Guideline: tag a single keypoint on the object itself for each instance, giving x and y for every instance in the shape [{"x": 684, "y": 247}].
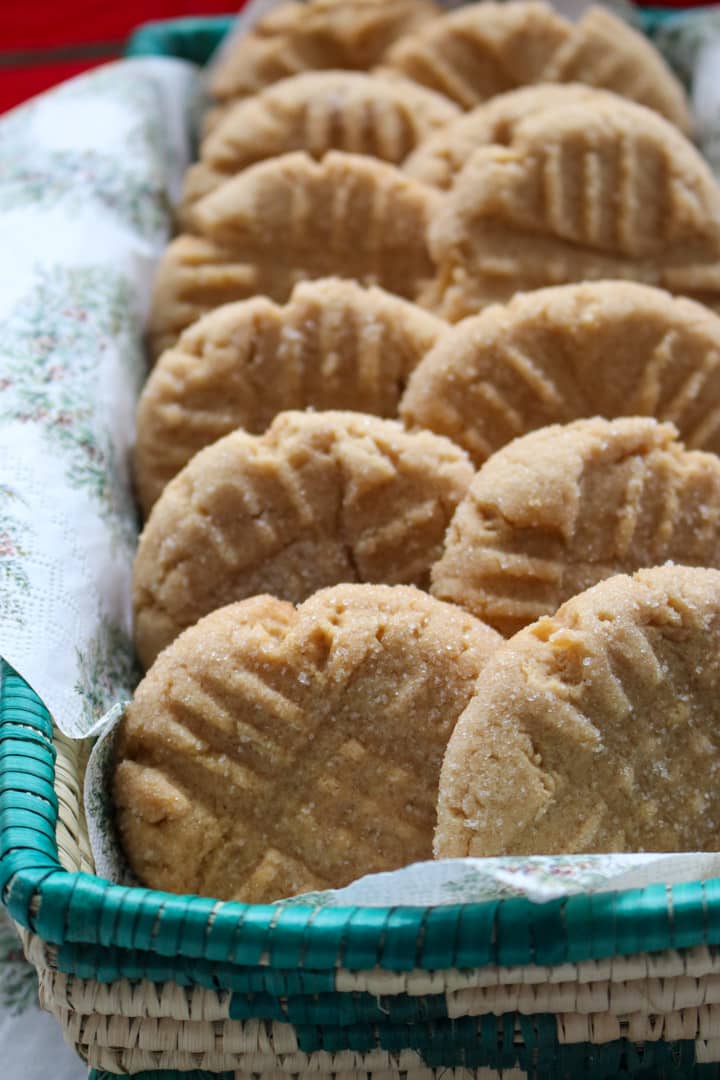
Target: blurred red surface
[{"x": 44, "y": 42}]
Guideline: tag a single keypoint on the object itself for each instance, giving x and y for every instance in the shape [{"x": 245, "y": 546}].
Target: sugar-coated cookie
[
  {"x": 271, "y": 751},
  {"x": 319, "y": 499},
  {"x": 333, "y": 345},
  {"x": 579, "y": 192},
  {"x": 557, "y": 511},
  {"x": 441, "y": 155},
  {"x": 295, "y": 37},
  {"x": 291, "y": 218},
  {"x": 610, "y": 348},
  {"x": 595, "y": 729},
  {"x": 318, "y": 111},
  {"x": 487, "y": 48}
]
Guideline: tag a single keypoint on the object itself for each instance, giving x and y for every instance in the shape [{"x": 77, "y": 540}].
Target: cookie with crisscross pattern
[
  {"x": 334, "y": 345},
  {"x": 271, "y": 751},
  {"x": 488, "y": 48},
  {"x": 295, "y": 37},
  {"x": 289, "y": 219},
  {"x": 610, "y": 348},
  {"x": 318, "y": 499},
  {"x": 443, "y": 153},
  {"x": 557, "y": 511},
  {"x": 595, "y": 729},
  {"x": 318, "y": 111},
  {"x": 579, "y": 193}
]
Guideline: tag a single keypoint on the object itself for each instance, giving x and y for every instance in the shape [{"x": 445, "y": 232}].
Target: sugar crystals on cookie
[
  {"x": 333, "y": 345},
  {"x": 272, "y": 751},
  {"x": 608, "y": 348},
  {"x": 288, "y": 219},
  {"x": 579, "y": 192},
  {"x": 595, "y": 729},
  {"x": 559, "y": 510},
  {"x": 320, "y": 498}
]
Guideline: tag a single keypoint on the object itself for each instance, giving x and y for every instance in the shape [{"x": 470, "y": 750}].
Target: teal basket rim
[
  {"x": 191, "y": 38},
  {"x": 106, "y": 931},
  {"x": 195, "y": 38}
]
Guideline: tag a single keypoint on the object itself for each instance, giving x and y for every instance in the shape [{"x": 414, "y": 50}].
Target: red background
[{"x": 43, "y": 42}]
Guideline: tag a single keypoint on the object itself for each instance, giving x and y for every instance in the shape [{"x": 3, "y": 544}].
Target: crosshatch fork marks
[
  {"x": 564, "y": 507},
  {"x": 321, "y": 756}
]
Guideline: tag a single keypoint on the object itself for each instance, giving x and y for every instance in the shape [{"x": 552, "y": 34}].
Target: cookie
[
  {"x": 320, "y": 498},
  {"x": 318, "y": 111},
  {"x": 272, "y": 751},
  {"x": 557, "y": 511},
  {"x": 480, "y": 50},
  {"x": 486, "y": 49},
  {"x": 580, "y": 192},
  {"x": 334, "y": 345},
  {"x": 604, "y": 51},
  {"x": 613, "y": 348},
  {"x": 295, "y": 37},
  {"x": 595, "y": 729},
  {"x": 442, "y": 155},
  {"x": 292, "y": 218}
]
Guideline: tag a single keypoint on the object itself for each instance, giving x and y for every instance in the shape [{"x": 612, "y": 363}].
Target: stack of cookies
[{"x": 428, "y": 458}]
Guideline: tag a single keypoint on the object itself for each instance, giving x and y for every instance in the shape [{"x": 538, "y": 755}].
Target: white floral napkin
[{"x": 88, "y": 175}]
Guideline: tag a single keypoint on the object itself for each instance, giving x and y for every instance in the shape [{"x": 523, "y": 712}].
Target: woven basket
[
  {"x": 166, "y": 987},
  {"x": 143, "y": 980}
]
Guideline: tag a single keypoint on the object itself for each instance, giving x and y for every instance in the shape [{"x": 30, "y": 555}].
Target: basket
[
  {"x": 169, "y": 987},
  {"x": 146, "y": 982}
]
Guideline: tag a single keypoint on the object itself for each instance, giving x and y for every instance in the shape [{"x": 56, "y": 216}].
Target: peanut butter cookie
[
  {"x": 580, "y": 192},
  {"x": 318, "y": 111},
  {"x": 272, "y": 751},
  {"x": 487, "y": 48},
  {"x": 605, "y": 51},
  {"x": 334, "y": 345},
  {"x": 612, "y": 348},
  {"x": 318, "y": 499},
  {"x": 559, "y": 510},
  {"x": 292, "y": 218},
  {"x": 595, "y": 729},
  {"x": 481, "y": 49},
  {"x": 443, "y": 154},
  {"x": 295, "y": 37}
]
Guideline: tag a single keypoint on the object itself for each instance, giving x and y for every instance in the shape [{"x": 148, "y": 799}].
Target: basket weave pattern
[{"x": 141, "y": 980}]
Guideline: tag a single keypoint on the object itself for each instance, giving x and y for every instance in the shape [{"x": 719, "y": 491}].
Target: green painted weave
[
  {"x": 339, "y": 1009},
  {"x": 192, "y": 39},
  {"x": 656, "y": 1061},
  {"x": 164, "y": 1074}
]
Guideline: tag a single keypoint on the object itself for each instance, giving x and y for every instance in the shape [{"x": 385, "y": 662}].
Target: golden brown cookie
[
  {"x": 295, "y": 37},
  {"x": 595, "y": 729},
  {"x": 442, "y": 155},
  {"x": 271, "y": 751},
  {"x": 318, "y": 111},
  {"x": 481, "y": 49},
  {"x": 292, "y": 218},
  {"x": 488, "y": 48},
  {"x": 604, "y": 51},
  {"x": 610, "y": 348},
  {"x": 580, "y": 192},
  {"x": 318, "y": 499},
  {"x": 334, "y": 345},
  {"x": 559, "y": 510}
]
